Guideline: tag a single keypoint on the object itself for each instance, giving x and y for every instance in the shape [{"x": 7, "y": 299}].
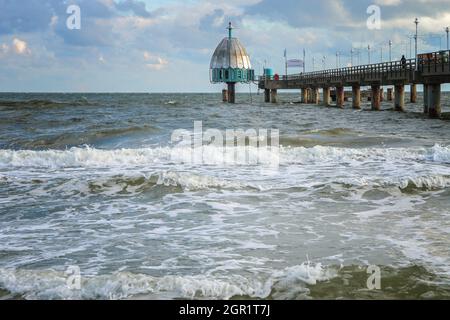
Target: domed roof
[{"x": 230, "y": 53}]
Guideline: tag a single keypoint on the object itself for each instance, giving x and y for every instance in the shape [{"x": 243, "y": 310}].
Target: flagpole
[
  {"x": 304, "y": 61},
  {"x": 285, "y": 62}
]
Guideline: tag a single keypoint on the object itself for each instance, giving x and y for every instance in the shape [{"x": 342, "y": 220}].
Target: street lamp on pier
[
  {"x": 447, "y": 30},
  {"x": 416, "y": 39},
  {"x": 390, "y": 50}
]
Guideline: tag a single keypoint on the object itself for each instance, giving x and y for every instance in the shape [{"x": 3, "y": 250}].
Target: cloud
[
  {"x": 154, "y": 62},
  {"x": 20, "y": 47},
  {"x": 131, "y": 37},
  {"x": 136, "y": 7}
]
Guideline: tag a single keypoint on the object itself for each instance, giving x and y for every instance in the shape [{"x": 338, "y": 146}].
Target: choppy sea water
[{"x": 88, "y": 180}]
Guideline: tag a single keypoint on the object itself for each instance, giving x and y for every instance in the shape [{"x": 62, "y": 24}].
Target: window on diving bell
[{"x": 226, "y": 74}]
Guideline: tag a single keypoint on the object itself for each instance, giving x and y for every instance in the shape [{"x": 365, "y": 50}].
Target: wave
[
  {"x": 50, "y": 284},
  {"x": 38, "y": 103},
  {"x": 185, "y": 181},
  {"x": 332, "y": 132},
  {"x": 91, "y": 157}
]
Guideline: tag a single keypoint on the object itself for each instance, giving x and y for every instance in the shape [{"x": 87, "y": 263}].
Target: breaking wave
[
  {"x": 50, "y": 284},
  {"x": 90, "y": 157}
]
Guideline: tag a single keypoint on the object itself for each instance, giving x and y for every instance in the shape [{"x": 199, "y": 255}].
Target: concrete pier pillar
[
  {"x": 381, "y": 94},
  {"x": 315, "y": 96},
  {"x": 267, "y": 95},
  {"x": 304, "y": 95},
  {"x": 356, "y": 97},
  {"x": 326, "y": 97},
  {"x": 434, "y": 100},
  {"x": 400, "y": 98},
  {"x": 231, "y": 92},
  {"x": 340, "y": 97},
  {"x": 273, "y": 95},
  {"x": 390, "y": 96},
  {"x": 309, "y": 96},
  {"x": 413, "y": 97},
  {"x": 376, "y": 98},
  {"x": 425, "y": 98},
  {"x": 224, "y": 95}
]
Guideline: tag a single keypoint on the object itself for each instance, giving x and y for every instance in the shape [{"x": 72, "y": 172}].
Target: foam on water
[
  {"x": 90, "y": 157},
  {"x": 50, "y": 284}
]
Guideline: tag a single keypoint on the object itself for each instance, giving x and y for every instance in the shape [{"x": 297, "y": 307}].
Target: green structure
[{"x": 230, "y": 64}]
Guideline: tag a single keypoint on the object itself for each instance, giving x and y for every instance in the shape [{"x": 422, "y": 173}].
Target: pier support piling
[
  {"x": 390, "y": 94},
  {"x": 315, "y": 96},
  {"x": 231, "y": 92},
  {"x": 304, "y": 95},
  {"x": 356, "y": 97},
  {"x": 376, "y": 98},
  {"x": 434, "y": 100},
  {"x": 413, "y": 98},
  {"x": 340, "y": 97},
  {"x": 224, "y": 95},
  {"x": 381, "y": 94},
  {"x": 273, "y": 95},
  {"x": 309, "y": 96},
  {"x": 425, "y": 99},
  {"x": 267, "y": 95},
  {"x": 326, "y": 96},
  {"x": 400, "y": 98}
]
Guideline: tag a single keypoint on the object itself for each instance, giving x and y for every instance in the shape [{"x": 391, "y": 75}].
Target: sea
[{"x": 98, "y": 201}]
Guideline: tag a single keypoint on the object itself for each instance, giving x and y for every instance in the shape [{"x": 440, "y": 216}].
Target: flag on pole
[{"x": 295, "y": 63}]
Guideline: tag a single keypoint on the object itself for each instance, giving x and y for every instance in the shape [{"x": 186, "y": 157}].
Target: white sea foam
[
  {"x": 49, "y": 284},
  {"x": 89, "y": 157}
]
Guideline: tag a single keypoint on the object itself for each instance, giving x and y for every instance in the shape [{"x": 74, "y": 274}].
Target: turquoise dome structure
[{"x": 231, "y": 64}]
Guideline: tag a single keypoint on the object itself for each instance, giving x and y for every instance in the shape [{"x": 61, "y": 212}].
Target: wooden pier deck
[{"x": 431, "y": 70}]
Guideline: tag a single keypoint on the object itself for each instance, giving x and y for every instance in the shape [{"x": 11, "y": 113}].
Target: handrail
[
  {"x": 378, "y": 68},
  {"x": 432, "y": 62}
]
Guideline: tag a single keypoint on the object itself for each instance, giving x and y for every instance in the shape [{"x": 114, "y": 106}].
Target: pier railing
[
  {"x": 394, "y": 69},
  {"x": 434, "y": 63}
]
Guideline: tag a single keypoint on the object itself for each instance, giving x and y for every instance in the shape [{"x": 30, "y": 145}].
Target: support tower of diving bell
[{"x": 230, "y": 64}]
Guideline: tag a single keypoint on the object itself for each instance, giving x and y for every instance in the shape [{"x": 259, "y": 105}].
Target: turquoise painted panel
[{"x": 232, "y": 75}]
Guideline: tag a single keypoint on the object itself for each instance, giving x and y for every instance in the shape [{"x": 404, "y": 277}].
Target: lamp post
[
  {"x": 314, "y": 64},
  {"x": 368, "y": 51},
  {"x": 447, "y": 30},
  {"x": 324, "y": 62},
  {"x": 416, "y": 38},
  {"x": 351, "y": 55},
  {"x": 390, "y": 50},
  {"x": 337, "y": 60}
]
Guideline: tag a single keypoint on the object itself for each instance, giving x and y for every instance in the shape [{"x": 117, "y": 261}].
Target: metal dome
[
  {"x": 230, "y": 62},
  {"x": 230, "y": 53}
]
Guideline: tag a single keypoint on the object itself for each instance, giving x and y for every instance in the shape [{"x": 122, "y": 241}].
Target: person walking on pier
[{"x": 403, "y": 60}]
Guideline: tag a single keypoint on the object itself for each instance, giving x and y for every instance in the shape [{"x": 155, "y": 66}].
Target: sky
[{"x": 166, "y": 45}]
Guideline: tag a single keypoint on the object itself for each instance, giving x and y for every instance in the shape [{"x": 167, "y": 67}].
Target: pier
[{"x": 430, "y": 70}]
